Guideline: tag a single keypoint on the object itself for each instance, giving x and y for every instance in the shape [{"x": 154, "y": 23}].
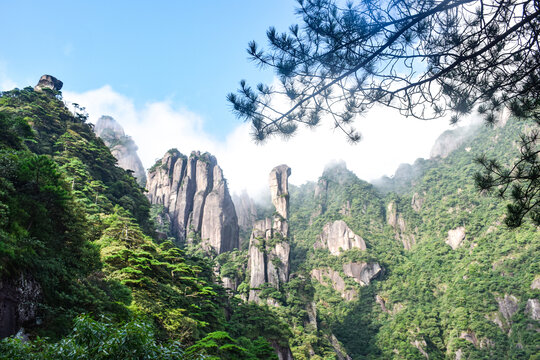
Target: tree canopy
[{"x": 427, "y": 59}]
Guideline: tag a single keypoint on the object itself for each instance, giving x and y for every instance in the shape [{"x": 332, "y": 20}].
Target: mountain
[
  {"x": 420, "y": 267},
  {"x": 122, "y": 147}
]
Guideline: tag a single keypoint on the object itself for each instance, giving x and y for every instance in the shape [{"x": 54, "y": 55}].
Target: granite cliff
[
  {"x": 195, "y": 199},
  {"x": 121, "y": 145}
]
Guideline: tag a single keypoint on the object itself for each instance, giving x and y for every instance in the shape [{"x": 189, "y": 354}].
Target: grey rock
[
  {"x": 338, "y": 237},
  {"x": 19, "y": 299},
  {"x": 245, "y": 210},
  {"x": 508, "y": 306},
  {"x": 533, "y": 309},
  {"x": 48, "y": 82},
  {"x": 536, "y": 284},
  {"x": 340, "y": 351},
  {"x": 397, "y": 222},
  {"x": 455, "y": 237},
  {"x": 283, "y": 352},
  {"x": 449, "y": 141},
  {"x": 329, "y": 277},
  {"x": 269, "y": 250},
  {"x": 279, "y": 189},
  {"x": 362, "y": 272},
  {"x": 195, "y": 195},
  {"x": 122, "y": 146}
]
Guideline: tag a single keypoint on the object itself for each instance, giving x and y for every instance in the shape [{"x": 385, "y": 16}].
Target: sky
[{"x": 163, "y": 69}]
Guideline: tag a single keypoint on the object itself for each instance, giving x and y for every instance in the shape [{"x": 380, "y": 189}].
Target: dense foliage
[{"x": 78, "y": 227}]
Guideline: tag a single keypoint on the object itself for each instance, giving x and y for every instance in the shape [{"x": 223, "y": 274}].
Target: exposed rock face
[
  {"x": 196, "y": 198},
  {"x": 533, "y": 309},
  {"x": 279, "y": 189},
  {"x": 269, "y": 250},
  {"x": 329, "y": 277},
  {"x": 535, "y": 284},
  {"x": 362, "y": 273},
  {"x": 456, "y": 237},
  {"x": 122, "y": 146},
  {"x": 337, "y": 237},
  {"x": 340, "y": 351},
  {"x": 508, "y": 306},
  {"x": 416, "y": 202},
  {"x": 18, "y": 303},
  {"x": 396, "y": 221},
  {"x": 49, "y": 82},
  {"x": 283, "y": 352},
  {"x": 449, "y": 141}
]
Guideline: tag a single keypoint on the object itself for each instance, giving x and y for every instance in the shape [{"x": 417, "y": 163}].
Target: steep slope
[
  {"x": 195, "y": 199},
  {"x": 453, "y": 281},
  {"x": 122, "y": 147}
]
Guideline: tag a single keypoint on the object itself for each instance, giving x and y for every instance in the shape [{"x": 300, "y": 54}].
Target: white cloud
[
  {"x": 388, "y": 140},
  {"x": 5, "y": 82}
]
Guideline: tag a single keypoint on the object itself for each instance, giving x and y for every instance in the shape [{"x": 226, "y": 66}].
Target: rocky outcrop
[
  {"x": 337, "y": 237},
  {"x": 397, "y": 222},
  {"x": 362, "y": 272},
  {"x": 269, "y": 249},
  {"x": 122, "y": 146},
  {"x": 535, "y": 284},
  {"x": 417, "y": 201},
  {"x": 450, "y": 140},
  {"x": 279, "y": 189},
  {"x": 329, "y": 277},
  {"x": 48, "y": 82},
  {"x": 19, "y": 299},
  {"x": 195, "y": 195},
  {"x": 340, "y": 351},
  {"x": 455, "y": 237},
  {"x": 533, "y": 309},
  {"x": 283, "y": 352}
]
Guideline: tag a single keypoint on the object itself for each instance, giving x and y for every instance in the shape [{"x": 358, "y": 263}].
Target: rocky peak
[
  {"x": 48, "y": 82},
  {"x": 196, "y": 198},
  {"x": 269, "y": 250},
  {"x": 279, "y": 189},
  {"x": 122, "y": 146}
]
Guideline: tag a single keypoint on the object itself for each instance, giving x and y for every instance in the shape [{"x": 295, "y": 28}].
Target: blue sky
[
  {"x": 163, "y": 70},
  {"x": 190, "y": 52}
]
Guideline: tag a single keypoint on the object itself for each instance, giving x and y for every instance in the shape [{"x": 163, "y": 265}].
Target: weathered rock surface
[
  {"x": 535, "y": 284},
  {"x": 329, "y": 277},
  {"x": 19, "y": 300},
  {"x": 397, "y": 222},
  {"x": 283, "y": 352},
  {"x": 269, "y": 250},
  {"x": 449, "y": 141},
  {"x": 338, "y": 237},
  {"x": 508, "y": 306},
  {"x": 455, "y": 237},
  {"x": 48, "y": 82},
  {"x": 122, "y": 146},
  {"x": 194, "y": 194},
  {"x": 340, "y": 351},
  {"x": 362, "y": 272},
  {"x": 279, "y": 189},
  {"x": 533, "y": 309}
]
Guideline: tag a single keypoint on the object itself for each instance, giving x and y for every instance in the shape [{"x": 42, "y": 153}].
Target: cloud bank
[{"x": 388, "y": 140}]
